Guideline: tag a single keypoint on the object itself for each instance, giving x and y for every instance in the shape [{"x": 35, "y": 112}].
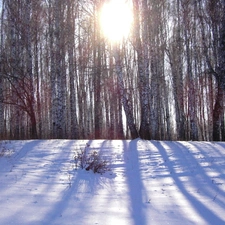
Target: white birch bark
[
  {"x": 73, "y": 125},
  {"x": 57, "y": 76},
  {"x": 141, "y": 45},
  {"x": 2, "y": 126},
  {"x": 125, "y": 102}
]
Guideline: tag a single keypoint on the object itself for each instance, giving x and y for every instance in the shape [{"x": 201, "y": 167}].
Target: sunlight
[{"x": 116, "y": 20}]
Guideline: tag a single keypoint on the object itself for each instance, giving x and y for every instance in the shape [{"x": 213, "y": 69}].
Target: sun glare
[{"x": 116, "y": 20}]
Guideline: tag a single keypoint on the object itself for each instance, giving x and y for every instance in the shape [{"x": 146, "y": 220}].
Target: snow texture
[{"x": 149, "y": 182}]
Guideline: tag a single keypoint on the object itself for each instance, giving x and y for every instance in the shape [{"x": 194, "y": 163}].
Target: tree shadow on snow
[
  {"x": 134, "y": 182},
  {"x": 79, "y": 195},
  {"x": 203, "y": 211}
]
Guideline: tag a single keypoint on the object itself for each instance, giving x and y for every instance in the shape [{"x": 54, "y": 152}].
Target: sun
[{"x": 116, "y": 19}]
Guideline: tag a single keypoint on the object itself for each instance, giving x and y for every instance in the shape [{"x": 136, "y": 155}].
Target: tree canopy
[{"x": 61, "y": 77}]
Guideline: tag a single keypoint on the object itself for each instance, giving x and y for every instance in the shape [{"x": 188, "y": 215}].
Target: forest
[{"x": 60, "y": 77}]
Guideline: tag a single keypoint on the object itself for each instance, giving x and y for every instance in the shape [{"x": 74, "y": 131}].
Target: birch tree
[
  {"x": 2, "y": 125},
  {"x": 141, "y": 46},
  {"x": 18, "y": 62},
  {"x": 125, "y": 101},
  {"x": 71, "y": 26},
  {"x": 59, "y": 78},
  {"x": 216, "y": 11}
]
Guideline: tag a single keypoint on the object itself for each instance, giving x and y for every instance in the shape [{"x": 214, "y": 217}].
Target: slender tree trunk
[
  {"x": 217, "y": 114},
  {"x": 218, "y": 111},
  {"x": 74, "y": 131},
  {"x": 125, "y": 101},
  {"x": 218, "y": 70},
  {"x": 29, "y": 74},
  {"x": 2, "y": 126},
  {"x": 143, "y": 65},
  {"x": 97, "y": 75}
]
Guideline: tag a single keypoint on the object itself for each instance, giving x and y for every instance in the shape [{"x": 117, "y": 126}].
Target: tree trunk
[
  {"x": 2, "y": 127},
  {"x": 143, "y": 65},
  {"x": 126, "y": 102},
  {"x": 191, "y": 84},
  {"x": 217, "y": 114},
  {"x": 73, "y": 131},
  {"x": 97, "y": 77}
]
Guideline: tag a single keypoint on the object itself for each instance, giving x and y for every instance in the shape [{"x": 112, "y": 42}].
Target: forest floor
[{"x": 149, "y": 182}]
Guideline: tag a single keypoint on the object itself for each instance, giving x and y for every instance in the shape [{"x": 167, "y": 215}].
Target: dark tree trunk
[
  {"x": 217, "y": 115},
  {"x": 126, "y": 103}
]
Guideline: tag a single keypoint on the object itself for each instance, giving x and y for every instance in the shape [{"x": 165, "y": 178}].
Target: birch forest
[{"x": 61, "y": 78}]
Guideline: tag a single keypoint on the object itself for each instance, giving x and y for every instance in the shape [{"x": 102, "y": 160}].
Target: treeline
[{"x": 60, "y": 78}]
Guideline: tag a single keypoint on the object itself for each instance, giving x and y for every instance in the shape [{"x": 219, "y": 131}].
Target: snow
[{"x": 149, "y": 182}]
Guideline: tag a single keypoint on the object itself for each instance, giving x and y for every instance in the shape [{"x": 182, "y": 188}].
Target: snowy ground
[{"x": 150, "y": 183}]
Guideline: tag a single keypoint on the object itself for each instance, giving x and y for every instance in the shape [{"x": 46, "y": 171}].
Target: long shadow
[
  {"x": 134, "y": 182},
  {"x": 213, "y": 161},
  {"x": 70, "y": 195},
  {"x": 210, "y": 187},
  {"x": 27, "y": 147},
  {"x": 81, "y": 183},
  {"x": 205, "y": 213},
  {"x": 16, "y": 177},
  {"x": 51, "y": 175},
  {"x": 76, "y": 180}
]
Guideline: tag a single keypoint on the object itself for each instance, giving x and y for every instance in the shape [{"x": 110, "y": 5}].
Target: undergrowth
[{"x": 90, "y": 160}]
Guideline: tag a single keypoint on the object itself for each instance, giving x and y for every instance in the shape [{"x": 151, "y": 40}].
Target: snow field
[{"x": 149, "y": 182}]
